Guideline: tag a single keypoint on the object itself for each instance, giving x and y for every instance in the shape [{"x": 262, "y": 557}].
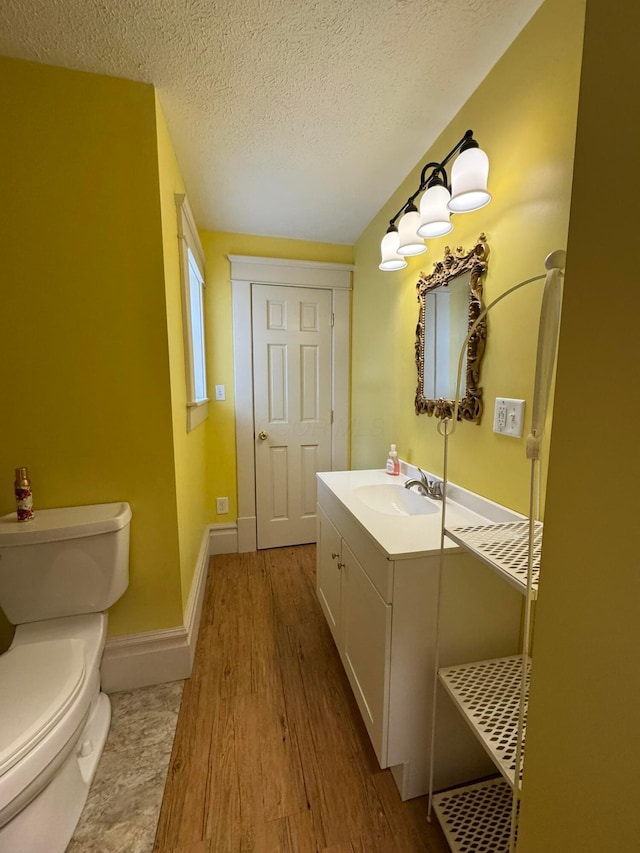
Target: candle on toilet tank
[{"x": 24, "y": 496}]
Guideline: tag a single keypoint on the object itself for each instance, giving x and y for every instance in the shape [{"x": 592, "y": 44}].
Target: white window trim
[
  {"x": 197, "y": 409},
  {"x": 245, "y": 271}
]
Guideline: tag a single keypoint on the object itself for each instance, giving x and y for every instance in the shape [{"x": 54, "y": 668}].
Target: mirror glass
[
  {"x": 447, "y": 310},
  {"x": 450, "y": 302}
]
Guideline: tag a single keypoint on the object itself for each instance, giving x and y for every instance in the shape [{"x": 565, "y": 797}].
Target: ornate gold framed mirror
[{"x": 450, "y": 301}]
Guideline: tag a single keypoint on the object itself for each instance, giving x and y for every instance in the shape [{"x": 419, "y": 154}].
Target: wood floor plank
[
  {"x": 292, "y": 591},
  {"x": 222, "y": 819},
  {"x": 298, "y": 714},
  {"x": 198, "y": 847},
  {"x": 265, "y": 665},
  {"x": 324, "y": 720},
  {"x": 408, "y": 821},
  {"x": 292, "y": 834},
  {"x": 231, "y": 646},
  {"x": 270, "y": 778},
  {"x": 358, "y": 845},
  {"x": 184, "y": 796},
  {"x": 250, "y": 788},
  {"x": 271, "y": 754},
  {"x": 253, "y": 562},
  {"x": 283, "y": 784}
]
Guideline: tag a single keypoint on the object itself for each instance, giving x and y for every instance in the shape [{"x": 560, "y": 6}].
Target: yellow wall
[
  {"x": 523, "y": 115},
  {"x": 221, "y": 453},
  {"x": 91, "y": 326},
  {"x": 190, "y": 448},
  {"x": 582, "y": 786},
  {"x": 83, "y": 329}
]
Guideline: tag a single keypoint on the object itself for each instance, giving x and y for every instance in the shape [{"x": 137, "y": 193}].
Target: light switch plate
[{"x": 508, "y": 417}]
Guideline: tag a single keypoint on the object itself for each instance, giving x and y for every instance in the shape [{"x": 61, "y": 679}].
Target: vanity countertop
[{"x": 408, "y": 536}]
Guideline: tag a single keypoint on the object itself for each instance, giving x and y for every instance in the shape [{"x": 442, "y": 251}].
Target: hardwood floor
[{"x": 270, "y": 753}]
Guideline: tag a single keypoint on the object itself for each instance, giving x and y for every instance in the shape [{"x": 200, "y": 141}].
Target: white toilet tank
[{"x": 64, "y": 562}]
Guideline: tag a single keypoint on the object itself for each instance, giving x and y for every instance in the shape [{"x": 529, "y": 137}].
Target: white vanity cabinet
[
  {"x": 360, "y": 621},
  {"x": 366, "y": 647},
  {"x": 382, "y": 610},
  {"x": 329, "y": 573}
]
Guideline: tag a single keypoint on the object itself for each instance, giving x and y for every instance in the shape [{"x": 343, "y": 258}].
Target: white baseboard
[
  {"x": 223, "y": 539},
  {"x": 193, "y": 611},
  {"x": 156, "y": 657},
  {"x": 138, "y": 660}
]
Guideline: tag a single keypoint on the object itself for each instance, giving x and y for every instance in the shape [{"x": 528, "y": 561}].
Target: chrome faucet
[{"x": 431, "y": 488}]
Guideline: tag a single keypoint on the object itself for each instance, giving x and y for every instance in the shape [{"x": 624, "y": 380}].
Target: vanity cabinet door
[
  {"x": 328, "y": 573},
  {"x": 366, "y": 649}
]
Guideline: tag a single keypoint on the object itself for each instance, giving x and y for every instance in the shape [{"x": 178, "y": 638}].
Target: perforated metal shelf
[
  {"x": 476, "y": 818},
  {"x": 504, "y": 547},
  {"x": 487, "y": 694}
]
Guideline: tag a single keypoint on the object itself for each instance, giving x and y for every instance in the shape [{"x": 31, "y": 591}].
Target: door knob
[{"x": 262, "y": 435}]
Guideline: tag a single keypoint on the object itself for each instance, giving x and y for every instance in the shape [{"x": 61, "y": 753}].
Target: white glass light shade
[
  {"x": 434, "y": 213},
  {"x": 410, "y": 243},
  {"x": 469, "y": 181},
  {"x": 391, "y": 260}
]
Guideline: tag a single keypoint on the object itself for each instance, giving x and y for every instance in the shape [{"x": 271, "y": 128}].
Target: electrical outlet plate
[
  {"x": 222, "y": 506},
  {"x": 508, "y": 417},
  {"x": 220, "y": 395}
]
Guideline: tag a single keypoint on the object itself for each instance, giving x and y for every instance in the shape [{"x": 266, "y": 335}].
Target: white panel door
[{"x": 292, "y": 408}]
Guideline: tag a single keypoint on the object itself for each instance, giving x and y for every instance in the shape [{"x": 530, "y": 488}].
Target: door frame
[{"x": 245, "y": 271}]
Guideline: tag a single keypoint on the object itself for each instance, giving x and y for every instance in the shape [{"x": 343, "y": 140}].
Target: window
[{"x": 193, "y": 284}]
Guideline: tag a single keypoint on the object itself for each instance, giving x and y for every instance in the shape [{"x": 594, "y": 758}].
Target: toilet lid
[{"x": 39, "y": 683}]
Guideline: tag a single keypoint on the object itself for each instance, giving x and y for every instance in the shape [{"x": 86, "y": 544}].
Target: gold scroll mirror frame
[{"x": 454, "y": 264}]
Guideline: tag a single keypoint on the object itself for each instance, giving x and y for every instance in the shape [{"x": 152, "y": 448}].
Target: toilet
[{"x": 58, "y": 574}]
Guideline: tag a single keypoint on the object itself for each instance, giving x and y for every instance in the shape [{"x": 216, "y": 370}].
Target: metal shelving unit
[
  {"x": 487, "y": 694},
  {"x": 504, "y": 547},
  {"x": 476, "y": 817},
  {"x": 492, "y": 697}
]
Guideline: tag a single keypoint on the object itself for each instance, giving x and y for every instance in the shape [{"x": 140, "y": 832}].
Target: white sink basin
[{"x": 394, "y": 499}]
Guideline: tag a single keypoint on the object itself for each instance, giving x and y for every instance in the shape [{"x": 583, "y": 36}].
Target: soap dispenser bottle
[{"x": 393, "y": 463}]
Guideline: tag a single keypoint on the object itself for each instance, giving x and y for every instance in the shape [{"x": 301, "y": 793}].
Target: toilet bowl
[{"x": 68, "y": 565}]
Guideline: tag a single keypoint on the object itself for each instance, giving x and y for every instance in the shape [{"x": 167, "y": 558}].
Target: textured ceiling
[{"x": 294, "y": 118}]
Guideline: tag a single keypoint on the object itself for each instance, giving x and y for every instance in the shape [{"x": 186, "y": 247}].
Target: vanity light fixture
[
  {"x": 467, "y": 192},
  {"x": 410, "y": 243}
]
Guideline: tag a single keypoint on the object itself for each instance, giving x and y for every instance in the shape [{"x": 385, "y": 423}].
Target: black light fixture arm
[{"x": 438, "y": 169}]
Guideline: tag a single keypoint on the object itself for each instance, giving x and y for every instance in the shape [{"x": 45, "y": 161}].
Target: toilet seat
[
  {"x": 39, "y": 683},
  {"x": 33, "y": 743}
]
